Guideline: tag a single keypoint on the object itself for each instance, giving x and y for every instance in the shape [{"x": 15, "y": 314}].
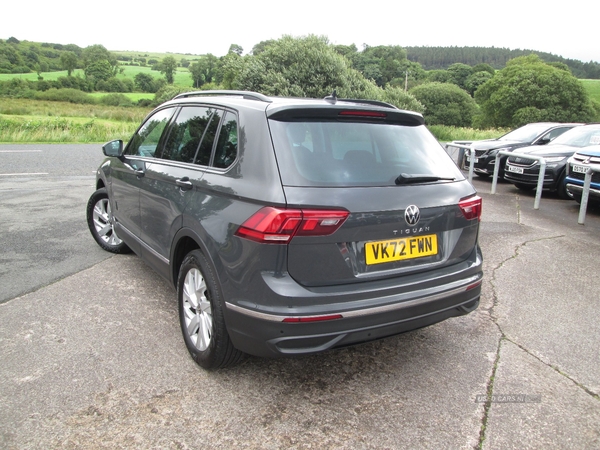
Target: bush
[
  {"x": 527, "y": 89},
  {"x": 65, "y": 95},
  {"x": 17, "y": 88},
  {"x": 115, "y": 100},
  {"x": 403, "y": 100},
  {"x": 445, "y": 104},
  {"x": 73, "y": 83},
  {"x": 167, "y": 93}
]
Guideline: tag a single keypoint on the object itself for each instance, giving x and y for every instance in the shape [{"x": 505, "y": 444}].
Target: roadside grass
[
  {"x": 23, "y": 129},
  {"x": 24, "y": 120},
  {"x": 445, "y": 133},
  {"x": 29, "y": 107}
]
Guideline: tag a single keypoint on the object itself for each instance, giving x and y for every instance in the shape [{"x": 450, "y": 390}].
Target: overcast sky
[{"x": 198, "y": 27}]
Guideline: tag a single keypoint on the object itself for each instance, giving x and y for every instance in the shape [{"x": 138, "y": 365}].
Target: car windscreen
[
  {"x": 526, "y": 133},
  {"x": 335, "y": 153},
  {"x": 580, "y": 136}
]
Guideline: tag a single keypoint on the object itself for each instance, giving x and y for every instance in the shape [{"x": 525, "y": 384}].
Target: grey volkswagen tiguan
[{"x": 291, "y": 226}]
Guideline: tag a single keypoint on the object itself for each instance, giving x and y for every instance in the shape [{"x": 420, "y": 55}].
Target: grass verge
[{"x": 24, "y": 129}]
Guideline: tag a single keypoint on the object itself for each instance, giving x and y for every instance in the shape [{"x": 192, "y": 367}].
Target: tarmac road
[{"x": 91, "y": 354}]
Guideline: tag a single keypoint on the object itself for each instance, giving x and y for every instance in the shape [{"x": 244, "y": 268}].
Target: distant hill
[
  {"x": 442, "y": 57},
  {"x": 26, "y": 57}
]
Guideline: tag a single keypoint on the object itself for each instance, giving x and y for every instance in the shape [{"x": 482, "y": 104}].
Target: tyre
[
  {"x": 482, "y": 175},
  {"x": 201, "y": 314},
  {"x": 524, "y": 187},
  {"x": 561, "y": 188},
  {"x": 100, "y": 223}
]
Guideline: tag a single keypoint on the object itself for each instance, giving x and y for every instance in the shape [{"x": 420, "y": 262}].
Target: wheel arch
[
  {"x": 184, "y": 242},
  {"x": 100, "y": 183}
]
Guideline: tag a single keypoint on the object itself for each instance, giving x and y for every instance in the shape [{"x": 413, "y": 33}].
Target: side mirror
[
  {"x": 543, "y": 141},
  {"x": 113, "y": 148}
]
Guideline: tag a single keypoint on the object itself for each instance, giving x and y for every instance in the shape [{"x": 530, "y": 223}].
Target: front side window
[
  {"x": 555, "y": 133},
  {"x": 147, "y": 138},
  {"x": 186, "y": 133}
]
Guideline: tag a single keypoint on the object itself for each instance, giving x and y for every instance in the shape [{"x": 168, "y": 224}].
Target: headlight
[
  {"x": 496, "y": 150},
  {"x": 555, "y": 159}
]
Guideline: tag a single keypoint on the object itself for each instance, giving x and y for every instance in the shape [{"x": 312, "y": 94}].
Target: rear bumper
[{"x": 368, "y": 316}]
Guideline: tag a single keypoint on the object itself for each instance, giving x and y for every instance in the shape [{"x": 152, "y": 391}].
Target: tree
[
  {"x": 459, "y": 74},
  {"x": 237, "y": 49},
  {"x": 483, "y": 67},
  {"x": 68, "y": 61},
  {"x": 305, "y": 67},
  {"x": 445, "y": 104},
  {"x": 438, "y": 75},
  {"x": 99, "y": 64},
  {"x": 529, "y": 90},
  {"x": 204, "y": 70},
  {"x": 261, "y": 46},
  {"x": 96, "y": 53},
  {"x": 300, "y": 67},
  {"x": 168, "y": 65},
  {"x": 144, "y": 82},
  {"x": 382, "y": 63},
  {"x": 475, "y": 80},
  {"x": 98, "y": 71}
]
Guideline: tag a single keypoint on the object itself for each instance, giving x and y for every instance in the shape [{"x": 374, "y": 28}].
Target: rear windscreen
[{"x": 356, "y": 153}]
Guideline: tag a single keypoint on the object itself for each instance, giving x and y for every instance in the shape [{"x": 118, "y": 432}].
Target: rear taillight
[
  {"x": 279, "y": 226},
  {"x": 471, "y": 207},
  {"x": 361, "y": 113}
]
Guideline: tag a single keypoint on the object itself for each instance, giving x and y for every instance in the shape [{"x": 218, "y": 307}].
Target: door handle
[{"x": 184, "y": 183}]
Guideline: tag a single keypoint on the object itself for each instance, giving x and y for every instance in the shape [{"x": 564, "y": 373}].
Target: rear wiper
[{"x": 405, "y": 178}]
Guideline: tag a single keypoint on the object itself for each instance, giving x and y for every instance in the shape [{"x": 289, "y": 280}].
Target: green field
[
  {"x": 182, "y": 77},
  {"x": 593, "y": 88}
]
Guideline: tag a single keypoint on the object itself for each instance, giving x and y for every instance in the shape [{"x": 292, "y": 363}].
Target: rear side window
[
  {"x": 227, "y": 145},
  {"x": 186, "y": 134},
  {"x": 145, "y": 141},
  {"x": 356, "y": 154},
  {"x": 206, "y": 146}
]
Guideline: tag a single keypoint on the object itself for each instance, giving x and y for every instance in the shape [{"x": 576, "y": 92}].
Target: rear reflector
[
  {"x": 279, "y": 226},
  {"x": 474, "y": 285},
  {"x": 471, "y": 207},
  {"x": 312, "y": 318}
]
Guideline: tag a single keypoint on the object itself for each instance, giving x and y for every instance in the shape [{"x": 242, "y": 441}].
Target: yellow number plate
[{"x": 399, "y": 249}]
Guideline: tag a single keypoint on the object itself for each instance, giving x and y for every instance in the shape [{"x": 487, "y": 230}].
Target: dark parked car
[
  {"x": 523, "y": 172},
  {"x": 292, "y": 226},
  {"x": 532, "y": 134},
  {"x": 577, "y": 167}
]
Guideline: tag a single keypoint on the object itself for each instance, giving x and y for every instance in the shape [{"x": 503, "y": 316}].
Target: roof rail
[
  {"x": 368, "y": 102},
  {"x": 244, "y": 94}
]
